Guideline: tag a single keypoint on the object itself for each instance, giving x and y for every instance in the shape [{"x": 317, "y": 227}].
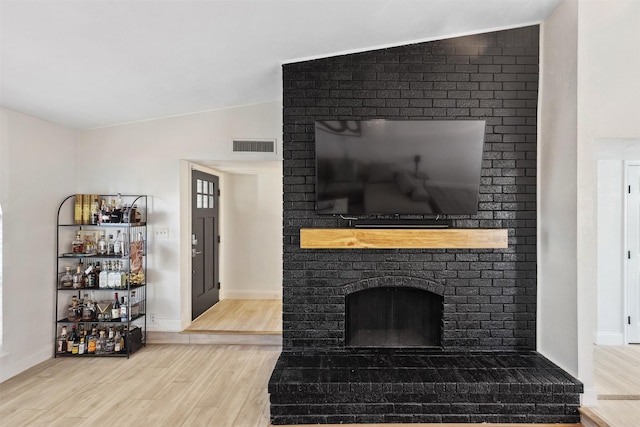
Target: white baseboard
[
  {"x": 12, "y": 366},
  {"x": 609, "y": 338},
  {"x": 251, "y": 294}
]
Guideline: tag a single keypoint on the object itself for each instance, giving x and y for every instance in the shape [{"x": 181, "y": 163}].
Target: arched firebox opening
[{"x": 396, "y": 317}]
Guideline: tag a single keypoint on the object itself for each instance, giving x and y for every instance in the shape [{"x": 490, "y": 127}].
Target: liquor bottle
[
  {"x": 91, "y": 343},
  {"x": 111, "y": 344},
  {"x": 97, "y": 270},
  {"x": 124, "y": 277},
  {"x": 124, "y": 310},
  {"x": 95, "y": 212},
  {"x": 115, "y": 309},
  {"x": 82, "y": 346},
  {"x": 79, "y": 278},
  {"x": 117, "y": 245},
  {"x": 125, "y": 244},
  {"x": 72, "y": 340},
  {"x": 61, "y": 346},
  {"x": 110, "y": 245},
  {"x": 73, "y": 312},
  {"x": 113, "y": 277},
  {"x": 117, "y": 342},
  {"x": 102, "y": 245},
  {"x": 123, "y": 339},
  {"x": 134, "y": 306},
  {"x": 77, "y": 246},
  {"x": 88, "y": 311},
  {"x": 116, "y": 214},
  {"x": 103, "y": 278},
  {"x": 105, "y": 213},
  {"x": 101, "y": 343},
  {"x": 66, "y": 280},
  {"x": 90, "y": 243},
  {"x": 90, "y": 275}
]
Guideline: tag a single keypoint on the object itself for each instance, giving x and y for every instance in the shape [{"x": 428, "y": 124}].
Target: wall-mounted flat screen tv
[{"x": 398, "y": 166}]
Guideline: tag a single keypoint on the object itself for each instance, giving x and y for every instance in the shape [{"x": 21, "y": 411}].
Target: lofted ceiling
[{"x": 89, "y": 63}]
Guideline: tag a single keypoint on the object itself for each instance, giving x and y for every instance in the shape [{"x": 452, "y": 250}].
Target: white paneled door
[{"x": 633, "y": 254}]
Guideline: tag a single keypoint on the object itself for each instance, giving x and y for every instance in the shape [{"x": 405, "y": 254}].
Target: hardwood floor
[
  {"x": 240, "y": 316},
  {"x": 617, "y": 379},
  {"x": 161, "y": 385},
  {"x": 218, "y": 385}
]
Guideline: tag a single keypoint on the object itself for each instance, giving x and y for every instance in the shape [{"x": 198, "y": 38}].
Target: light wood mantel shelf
[{"x": 351, "y": 238}]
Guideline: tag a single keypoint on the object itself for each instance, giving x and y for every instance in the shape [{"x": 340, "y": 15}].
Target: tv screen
[{"x": 398, "y": 166}]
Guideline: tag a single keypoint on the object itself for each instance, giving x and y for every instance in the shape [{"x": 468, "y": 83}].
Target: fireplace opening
[{"x": 393, "y": 317}]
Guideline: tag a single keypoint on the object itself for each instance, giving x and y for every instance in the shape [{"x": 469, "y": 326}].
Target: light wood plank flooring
[
  {"x": 160, "y": 385},
  {"x": 617, "y": 379},
  {"x": 240, "y": 316}
]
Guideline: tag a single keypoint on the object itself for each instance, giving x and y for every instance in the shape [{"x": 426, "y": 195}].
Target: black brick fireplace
[{"x": 466, "y": 352}]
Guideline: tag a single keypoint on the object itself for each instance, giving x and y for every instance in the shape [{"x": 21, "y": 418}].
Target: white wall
[
  {"x": 253, "y": 270},
  {"x": 608, "y": 93},
  {"x": 557, "y": 199},
  {"x": 608, "y": 63},
  {"x": 610, "y": 202},
  {"x": 147, "y": 158},
  {"x": 38, "y": 162}
]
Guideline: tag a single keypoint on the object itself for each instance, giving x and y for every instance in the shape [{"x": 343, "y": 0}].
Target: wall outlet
[
  {"x": 153, "y": 319},
  {"x": 161, "y": 233}
]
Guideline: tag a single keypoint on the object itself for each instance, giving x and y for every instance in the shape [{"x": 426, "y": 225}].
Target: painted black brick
[{"x": 489, "y": 76}]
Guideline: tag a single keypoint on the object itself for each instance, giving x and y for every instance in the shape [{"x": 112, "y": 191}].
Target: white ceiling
[{"x": 90, "y": 63}]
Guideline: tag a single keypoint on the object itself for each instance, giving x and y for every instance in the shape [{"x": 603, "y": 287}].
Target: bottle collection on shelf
[
  {"x": 94, "y": 243},
  {"x": 100, "y": 341},
  {"x": 110, "y": 275},
  {"x": 120, "y": 309},
  {"x": 89, "y": 211}
]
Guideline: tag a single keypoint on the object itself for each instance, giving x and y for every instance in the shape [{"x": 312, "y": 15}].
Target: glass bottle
[
  {"x": 110, "y": 245},
  {"x": 124, "y": 277},
  {"x": 101, "y": 343},
  {"x": 134, "y": 306},
  {"x": 117, "y": 245},
  {"x": 111, "y": 343},
  {"x": 66, "y": 280},
  {"x": 73, "y": 312},
  {"x": 123, "y": 338},
  {"x": 115, "y": 309},
  {"x": 77, "y": 246},
  {"x": 82, "y": 346},
  {"x": 117, "y": 346},
  {"x": 113, "y": 276},
  {"x": 72, "y": 341},
  {"x": 105, "y": 213},
  {"x": 79, "y": 278},
  {"x": 124, "y": 309},
  {"x": 90, "y": 275},
  {"x": 88, "y": 311},
  {"x": 91, "y": 343},
  {"x": 61, "y": 342},
  {"x": 97, "y": 269},
  {"x": 103, "y": 279},
  {"x": 102, "y": 245},
  {"x": 95, "y": 212}
]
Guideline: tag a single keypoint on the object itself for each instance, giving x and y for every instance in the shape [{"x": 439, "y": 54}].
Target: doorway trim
[{"x": 186, "y": 167}]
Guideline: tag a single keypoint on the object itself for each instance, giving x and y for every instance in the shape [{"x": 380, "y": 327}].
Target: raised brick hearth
[
  {"x": 425, "y": 387},
  {"x": 485, "y": 367}
]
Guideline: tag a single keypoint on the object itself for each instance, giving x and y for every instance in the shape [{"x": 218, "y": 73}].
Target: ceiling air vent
[{"x": 254, "y": 145}]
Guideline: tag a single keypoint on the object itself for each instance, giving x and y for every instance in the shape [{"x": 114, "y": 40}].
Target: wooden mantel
[{"x": 413, "y": 238}]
